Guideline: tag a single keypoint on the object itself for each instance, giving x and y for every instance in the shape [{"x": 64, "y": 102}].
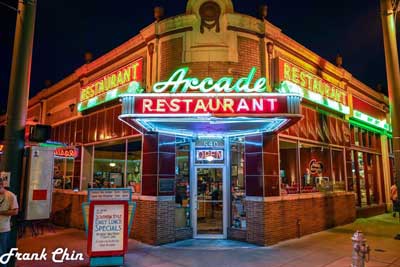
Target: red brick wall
[
  {"x": 144, "y": 226},
  {"x": 272, "y": 221},
  {"x": 249, "y": 56},
  {"x": 67, "y": 209}
]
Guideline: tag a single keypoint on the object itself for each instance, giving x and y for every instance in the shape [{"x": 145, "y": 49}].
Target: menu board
[{"x": 108, "y": 228}]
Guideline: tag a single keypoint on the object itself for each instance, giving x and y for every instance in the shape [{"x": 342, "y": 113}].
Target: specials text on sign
[
  {"x": 308, "y": 81},
  {"x": 108, "y": 226}
]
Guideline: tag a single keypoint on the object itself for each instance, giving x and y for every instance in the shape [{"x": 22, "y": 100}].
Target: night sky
[{"x": 65, "y": 30}]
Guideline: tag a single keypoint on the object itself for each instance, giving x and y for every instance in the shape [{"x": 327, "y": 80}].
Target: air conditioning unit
[{"x": 39, "y": 133}]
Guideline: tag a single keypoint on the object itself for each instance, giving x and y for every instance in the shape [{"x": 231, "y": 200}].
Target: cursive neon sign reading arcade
[{"x": 179, "y": 83}]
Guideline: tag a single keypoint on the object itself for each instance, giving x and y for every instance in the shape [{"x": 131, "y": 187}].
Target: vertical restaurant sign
[
  {"x": 108, "y": 228},
  {"x": 126, "y": 79},
  {"x": 310, "y": 82}
]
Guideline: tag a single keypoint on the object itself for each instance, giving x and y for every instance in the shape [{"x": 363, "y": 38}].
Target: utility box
[{"x": 39, "y": 185}]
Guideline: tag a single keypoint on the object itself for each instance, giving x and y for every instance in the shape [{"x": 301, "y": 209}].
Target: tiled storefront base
[
  {"x": 370, "y": 211},
  {"x": 269, "y": 220},
  {"x": 154, "y": 221},
  {"x": 272, "y": 220}
]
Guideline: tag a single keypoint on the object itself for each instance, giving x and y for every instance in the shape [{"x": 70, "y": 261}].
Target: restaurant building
[{"x": 223, "y": 127}]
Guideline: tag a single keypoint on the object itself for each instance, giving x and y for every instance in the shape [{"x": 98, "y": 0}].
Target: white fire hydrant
[{"x": 360, "y": 250}]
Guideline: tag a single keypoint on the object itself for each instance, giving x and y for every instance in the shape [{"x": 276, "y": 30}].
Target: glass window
[
  {"x": 290, "y": 183},
  {"x": 109, "y": 165},
  {"x": 315, "y": 167},
  {"x": 63, "y": 173},
  {"x": 133, "y": 165},
  {"x": 356, "y": 137},
  {"x": 182, "y": 184},
  {"x": 338, "y": 172},
  {"x": 372, "y": 179},
  {"x": 238, "y": 184},
  {"x": 361, "y": 172},
  {"x": 87, "y": 167}
]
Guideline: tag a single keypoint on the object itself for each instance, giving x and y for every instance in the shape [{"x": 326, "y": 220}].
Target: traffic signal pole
[
  {"x": 393, "y": 77},
  {"x": 17, "y": 104}
]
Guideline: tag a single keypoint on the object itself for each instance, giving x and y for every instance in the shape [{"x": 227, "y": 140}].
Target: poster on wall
[
  {"x": 39, "y": 183},
  {"x": 108, "y": 228}
]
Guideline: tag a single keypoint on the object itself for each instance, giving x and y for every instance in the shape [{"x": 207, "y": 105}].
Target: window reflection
[
  {"x": 238, "y": 184},
  {"x": 182, "y": 176}
]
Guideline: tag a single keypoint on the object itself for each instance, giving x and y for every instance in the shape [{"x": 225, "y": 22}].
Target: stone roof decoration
[{"x": 209, "y": 12}]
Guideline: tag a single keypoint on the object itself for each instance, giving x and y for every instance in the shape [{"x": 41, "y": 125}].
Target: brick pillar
[
  {"x": 271, "y": 165},
  {"x": 155, "y": 218},
  {"x": 254, "y": 204},
  {"x": 262, "y": 180}
]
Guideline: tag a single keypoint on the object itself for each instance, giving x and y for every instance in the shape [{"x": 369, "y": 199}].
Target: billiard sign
[{"x": 63, "y": 152}]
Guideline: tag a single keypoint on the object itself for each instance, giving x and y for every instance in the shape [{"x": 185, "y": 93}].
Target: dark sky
[{"x": 65, "y": 30}]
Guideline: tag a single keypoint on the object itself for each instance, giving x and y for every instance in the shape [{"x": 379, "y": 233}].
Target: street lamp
[{"x": 388, "y": 12}]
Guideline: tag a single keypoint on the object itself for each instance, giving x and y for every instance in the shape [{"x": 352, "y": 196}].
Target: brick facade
[
  {"x": 273, "y": 220},
  {"x": 249, "y": 56}
]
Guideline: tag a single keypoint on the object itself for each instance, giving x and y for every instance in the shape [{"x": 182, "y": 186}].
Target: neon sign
[
  {"x": 209, "y": 155},
  {"x": 178, "y": 82},
  {"x": 124, "y": 80},
  {"x": 66, "y": 152},
  {"x": 382, "y": 124},
  {"x": 289, "y": 87},
  {"x": 310, "y": 82},
  {"x": 231, "y": 105}
]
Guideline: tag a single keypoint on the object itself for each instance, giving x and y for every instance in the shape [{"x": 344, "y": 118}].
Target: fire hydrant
[{"x": 360, "y": 250}]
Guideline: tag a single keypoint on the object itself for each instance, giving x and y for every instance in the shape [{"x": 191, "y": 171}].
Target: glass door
[{"x": 209, "y": 210}]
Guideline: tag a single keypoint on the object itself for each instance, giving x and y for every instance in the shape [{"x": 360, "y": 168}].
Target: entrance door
[{"x": 210, "y": 208}]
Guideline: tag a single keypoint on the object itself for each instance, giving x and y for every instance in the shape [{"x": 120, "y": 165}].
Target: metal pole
[
  {"x": 18, "y": 99},
  {"x": 393, "y": 77}
]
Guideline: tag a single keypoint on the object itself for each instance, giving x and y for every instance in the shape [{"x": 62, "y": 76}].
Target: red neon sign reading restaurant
[{"x": 232, "y": 104}]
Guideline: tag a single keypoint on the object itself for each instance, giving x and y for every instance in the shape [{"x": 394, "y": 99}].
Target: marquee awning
[{"x": 210, "y": 114}]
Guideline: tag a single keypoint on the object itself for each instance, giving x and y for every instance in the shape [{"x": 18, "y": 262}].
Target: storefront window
[
  {"x": 290, "y": 183},
  {"x": 182, "y": 190},
  {"x": 338, "y": 173},
  {"x": 133, "y": 166},
  {"x": 238, "y": 184},
  {"x": 371, "y": 175},
  {"x": 87, "y": 167},
  {"x": 315, "y": 168},
  {"x": 63, "y": 173},
  {"x": 109, "y": 165},
  {"x": 361, "y": 172}
]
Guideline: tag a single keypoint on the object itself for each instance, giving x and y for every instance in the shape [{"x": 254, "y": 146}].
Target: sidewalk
[{"x": 330, "y": 248}]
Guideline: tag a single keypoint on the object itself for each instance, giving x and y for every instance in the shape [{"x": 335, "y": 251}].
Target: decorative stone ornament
[
  {"x": 210, "y": 13},
  {"x": 263, "y": 12},
  {"x": 158, "y": 13}
]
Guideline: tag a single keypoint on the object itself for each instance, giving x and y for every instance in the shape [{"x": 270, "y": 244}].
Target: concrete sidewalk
[{"x": 330, "y": 248}]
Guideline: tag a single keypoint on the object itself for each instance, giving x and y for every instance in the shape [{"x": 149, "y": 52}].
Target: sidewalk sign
[{"x": 108, "y": 217}]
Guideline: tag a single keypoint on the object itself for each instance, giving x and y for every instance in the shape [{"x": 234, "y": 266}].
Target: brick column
[
  {"x": 155, "y": 217},
  {"x": 271, "y": 165},
  {"x": 262, "y": 180},
  {"x": 254, "y": 176}
]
